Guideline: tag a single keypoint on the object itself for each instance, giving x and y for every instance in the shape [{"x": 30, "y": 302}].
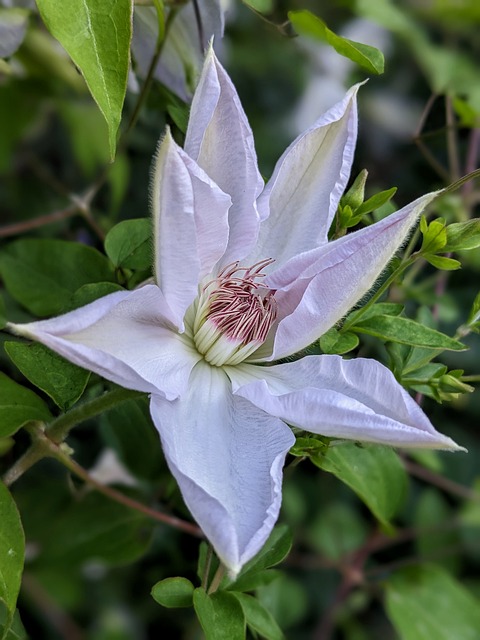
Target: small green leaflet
[
  {"x": 308, "y": 24},
  {"x": 129, "y": 244},
  {"x": 174, "y": 593}
]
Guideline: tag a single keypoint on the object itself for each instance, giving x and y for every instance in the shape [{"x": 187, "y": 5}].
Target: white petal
[
  {"x": 303, "y": 194},
  {"x": 123, "y": 337},
  {"x": 190, "y": 225},
  {"x": 227, "y": 458},
  {"x": 355, "y": 399},
  {"x": 220, "y": 140},
  {"x": 318, "y": 288}
]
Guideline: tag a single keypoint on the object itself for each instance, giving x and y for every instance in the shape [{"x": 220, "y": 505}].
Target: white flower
[{"x": 245, "y": 276}]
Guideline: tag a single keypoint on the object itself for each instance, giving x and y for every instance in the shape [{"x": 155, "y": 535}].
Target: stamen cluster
[{"x": 234, "y": 314}]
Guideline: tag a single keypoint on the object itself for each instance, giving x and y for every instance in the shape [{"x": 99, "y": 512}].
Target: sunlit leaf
[{"x": 97, "y": 35}]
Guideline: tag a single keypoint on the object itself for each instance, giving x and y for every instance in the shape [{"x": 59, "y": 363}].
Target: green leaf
[
  {"x": 13, "y": 26},
  {"x": 335, "y": 342},
  {"x": 434, "y": 236},
  {"x": 308, "y": 24},
  {"x": 129, "y": 244},
  {"x": 61, "y": 380},
  {"x": 337, "y": 530},
  {"x": 87, "y": 134},
  {"x": 272, "y": 553},
  {"x": 220, "y": 615},
  {"x": 286, "y": 599},
  {"x": 12, "y": 549},
  {"x": 96, "y": 34},
  {"x": 431, "y": 518},
  {"x": 90, "y": 292},
  {"x": 259, "y": 619},
  {"x": 426, "y": 602},
  {"x": 441, "y": 262},
  {"x": 262, "y": 6},
  {"x": 252, "y": 581},
  {"x": 128, "y": 429},
  {"x": 376, "y": 201},
  {"x": 174, "y": 593},
  {"x": 463, "y": 236},
  {"x": 96, "y": 527},
  {"x": 406, "y": 331},
  {"x": 374, "y": 472},
  {"x": 18, "y": 405},
  {"x": 379, "y": 309},
  {"x": 44, "y": 274},
  {"x": 11, "y": 628}
]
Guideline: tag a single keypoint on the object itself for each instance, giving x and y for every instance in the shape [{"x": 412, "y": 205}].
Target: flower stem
[{"x": 217, "y": 579}]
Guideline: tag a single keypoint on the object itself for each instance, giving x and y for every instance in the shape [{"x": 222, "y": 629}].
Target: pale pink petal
[
  {"x": 354, "y": 399},
  {"x": 227, "y": 458},
  {"x": 302, "y": 195},
  {"x": 190, "y": 225},
  {"x": 316, "y": 289},
  {"x": 220, "y": 140},
  {"x": 123, "y": 337}
]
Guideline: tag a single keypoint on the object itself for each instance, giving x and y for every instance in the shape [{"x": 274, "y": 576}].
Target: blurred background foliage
[{"x": 91, "y": 562}]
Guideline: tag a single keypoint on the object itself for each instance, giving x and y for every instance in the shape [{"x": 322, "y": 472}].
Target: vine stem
[
  {"x": 447, "y": 485},
  {"x": 162, "y": 35},
  {"x": 44, "y": 447},
  {"x": 47, "y": 438},
  {"x": 112, "y": 493}
]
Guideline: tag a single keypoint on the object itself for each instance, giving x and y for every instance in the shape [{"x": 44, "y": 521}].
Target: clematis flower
[{"x": 244, "y": 277}]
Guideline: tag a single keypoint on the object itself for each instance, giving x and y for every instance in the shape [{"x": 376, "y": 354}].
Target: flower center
[{"x": 234, "y": 314}]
